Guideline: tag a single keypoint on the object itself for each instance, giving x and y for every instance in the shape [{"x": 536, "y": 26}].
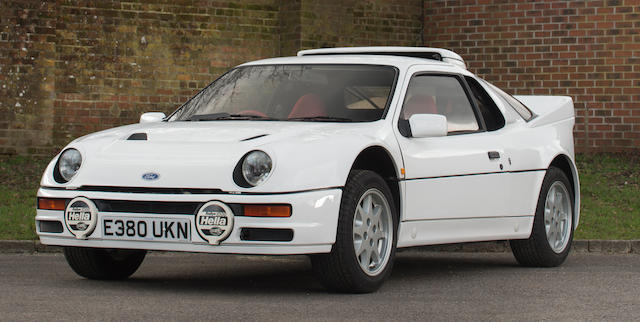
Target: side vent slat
[{"x": 254, "y": 137}]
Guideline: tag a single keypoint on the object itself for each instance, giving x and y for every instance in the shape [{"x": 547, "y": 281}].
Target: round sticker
[
  {"x": 214, "y": 222},
  {"x": 81, "y": 217}
]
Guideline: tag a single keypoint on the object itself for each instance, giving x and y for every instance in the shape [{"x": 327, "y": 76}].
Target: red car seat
[{"x": 309, "y": 105}]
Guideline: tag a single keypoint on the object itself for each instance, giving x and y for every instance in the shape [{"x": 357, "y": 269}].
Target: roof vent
[
  {"x": 137, "y": 137},
  {"x": 439, "y": 54}
]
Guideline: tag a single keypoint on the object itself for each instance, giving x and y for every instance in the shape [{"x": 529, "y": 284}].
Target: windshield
[{"x": 332, "y": 93}]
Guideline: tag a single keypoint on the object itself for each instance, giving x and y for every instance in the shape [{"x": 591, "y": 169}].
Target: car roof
[{"x": 400, "y": 62}]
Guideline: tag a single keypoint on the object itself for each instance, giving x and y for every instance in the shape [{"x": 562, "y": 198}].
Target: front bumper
[{"x": 313, "y": 220}]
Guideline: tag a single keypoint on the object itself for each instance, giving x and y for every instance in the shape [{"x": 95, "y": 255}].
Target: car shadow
[
  {"x": 424, "y": 267},
  {"x": 230, "y": 274},
  {"x": 223, "y": 274}
]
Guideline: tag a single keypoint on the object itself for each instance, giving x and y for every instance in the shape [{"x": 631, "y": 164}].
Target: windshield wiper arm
[
  {"x": 320, "y": 119},
  {"x": 250, "y": 116},
  {"x": 226, "y": 116},
  {"x": 207, "y": 117}
]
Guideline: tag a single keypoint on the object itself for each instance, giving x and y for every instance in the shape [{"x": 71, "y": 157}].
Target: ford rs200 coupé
[{"x": 344, "y": 154}]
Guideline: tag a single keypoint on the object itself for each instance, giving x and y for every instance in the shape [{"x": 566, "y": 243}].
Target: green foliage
[
  {"x": 610, "y": 187},
  {"x": 20, "y": 178},
  {"x": 17, "y": 211}
]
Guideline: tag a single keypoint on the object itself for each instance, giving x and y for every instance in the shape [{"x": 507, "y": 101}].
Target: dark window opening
[{"x": 491, "y": 114}]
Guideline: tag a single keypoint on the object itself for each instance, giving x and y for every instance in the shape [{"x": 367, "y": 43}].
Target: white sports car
[{"x": 344, "y": 154}]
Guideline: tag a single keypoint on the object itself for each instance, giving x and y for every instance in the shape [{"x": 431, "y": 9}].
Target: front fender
[{"x": 315, "y": 164}]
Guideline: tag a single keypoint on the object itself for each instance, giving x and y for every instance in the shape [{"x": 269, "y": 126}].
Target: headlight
[
  {"x": 69, "y": 163},
  {"x": 256, "y": 167}
]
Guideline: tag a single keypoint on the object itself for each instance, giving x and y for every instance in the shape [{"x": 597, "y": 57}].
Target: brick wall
[
  {"x": 335, "y": 23},
  {"x": 71, "y": 67},
  {"x": 589, "y": 50},
  {"x": 116, "y": 60},
  {"x": 27, "y": 50}
]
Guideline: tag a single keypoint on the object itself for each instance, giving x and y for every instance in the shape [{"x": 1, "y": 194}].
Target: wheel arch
[
  {"x": 568, "y": 166},
  {"x": 380, "y": 161}
]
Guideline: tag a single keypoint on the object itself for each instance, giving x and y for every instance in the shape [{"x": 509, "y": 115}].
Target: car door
[{"x": 461, "y": 175}]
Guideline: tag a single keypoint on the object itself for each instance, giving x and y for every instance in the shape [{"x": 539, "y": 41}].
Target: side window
[
  {"x": 439, "y": 94},
  {"x": 491, "y": 114}
]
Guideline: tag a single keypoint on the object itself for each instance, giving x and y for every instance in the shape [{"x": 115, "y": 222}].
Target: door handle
[{"x": 493, "y": 155}]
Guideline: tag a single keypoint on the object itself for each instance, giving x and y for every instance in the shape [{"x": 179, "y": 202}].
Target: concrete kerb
[
  {"x": 17, "y": 246},
  {"x": 579, "y": 246}
]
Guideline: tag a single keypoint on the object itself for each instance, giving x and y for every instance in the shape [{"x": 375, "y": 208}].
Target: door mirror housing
[
  {"x": 428, "y": 125},
  {"x": 152, "y": 117}
]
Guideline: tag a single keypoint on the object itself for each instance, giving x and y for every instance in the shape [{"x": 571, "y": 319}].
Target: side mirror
[
  {"x": 428, "y": 125},
  {"x": 151, "y": 117}
]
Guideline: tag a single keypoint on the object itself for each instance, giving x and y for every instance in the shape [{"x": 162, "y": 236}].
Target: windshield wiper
[
  {"x": 320, "y": 119},
  {"x": 226, "y": 116}
]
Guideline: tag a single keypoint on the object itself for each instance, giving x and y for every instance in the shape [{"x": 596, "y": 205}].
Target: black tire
[
  {"x": 340, "y": 270},
  {"x": 536, "y": 251},
  {"x": 104, "y": 264}
]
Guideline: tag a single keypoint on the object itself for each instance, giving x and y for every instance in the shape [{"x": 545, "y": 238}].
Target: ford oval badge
[{"x": 150, "y": 176}]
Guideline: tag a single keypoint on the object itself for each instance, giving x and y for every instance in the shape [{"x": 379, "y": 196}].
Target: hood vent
[
  {"x": 254, "y": 137},
  {"x": 137, "y": 137}
]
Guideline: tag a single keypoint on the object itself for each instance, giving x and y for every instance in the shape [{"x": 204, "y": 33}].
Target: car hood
[
  {"x": 204, "y": 132},
  {"x": 203, "y": 155}
]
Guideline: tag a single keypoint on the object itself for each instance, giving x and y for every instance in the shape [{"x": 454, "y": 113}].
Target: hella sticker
[
  {"x": 81, "y": 217},
  {"x": 150, "y": 176},
  {"x": 214, "y": 222}
]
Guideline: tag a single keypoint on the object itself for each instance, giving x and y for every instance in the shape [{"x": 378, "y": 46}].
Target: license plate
[{"x": 154, "y": 229}]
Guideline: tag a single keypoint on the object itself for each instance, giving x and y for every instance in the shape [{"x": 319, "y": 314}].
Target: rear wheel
[
  {"x": 552, "y": 233},
  {"x": 362, "y": 257},
  {"x": 104, "y": 264}
]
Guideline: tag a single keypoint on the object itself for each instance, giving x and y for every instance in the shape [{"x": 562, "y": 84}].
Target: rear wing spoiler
[
  {"x": 440, "y": 54},
  {"x": 548, "y": 109}
]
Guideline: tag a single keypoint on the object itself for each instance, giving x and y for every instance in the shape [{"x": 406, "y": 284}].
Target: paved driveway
[{"x": 424, "y": 286}]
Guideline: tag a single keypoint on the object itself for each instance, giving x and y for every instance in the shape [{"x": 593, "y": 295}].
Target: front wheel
[
  {"x": 104, "y": 264},
  {"x": 362, "y": 257},
  {"x": 552, "y": 232}
]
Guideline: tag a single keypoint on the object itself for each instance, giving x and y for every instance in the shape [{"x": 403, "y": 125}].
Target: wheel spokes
[
  {"x": 372, "y": 224},
  {"x": 367, "y": 204},
  {"x": 365, "y": 256},
  {"x": 557, "y": 216},
  {"x": 375, "y": 255}
]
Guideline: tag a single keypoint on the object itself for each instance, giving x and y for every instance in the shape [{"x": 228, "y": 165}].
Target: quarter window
[
  {"x": 439, "y": 94},
  {"x": 520, "y": 108}
]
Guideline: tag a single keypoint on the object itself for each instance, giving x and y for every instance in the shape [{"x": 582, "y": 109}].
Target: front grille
[
  {"x": 157, "y": 207},
  {"x": 149, "y": 207},
  {"x": 175, "y": 191}
]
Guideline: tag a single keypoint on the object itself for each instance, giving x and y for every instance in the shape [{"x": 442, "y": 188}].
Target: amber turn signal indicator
[
  {"x": 51, "y": 203},
  {"x": 267, "y": 210}
]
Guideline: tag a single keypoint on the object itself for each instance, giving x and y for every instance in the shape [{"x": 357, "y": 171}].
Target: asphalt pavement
[{"x": 423, "y": 286}]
